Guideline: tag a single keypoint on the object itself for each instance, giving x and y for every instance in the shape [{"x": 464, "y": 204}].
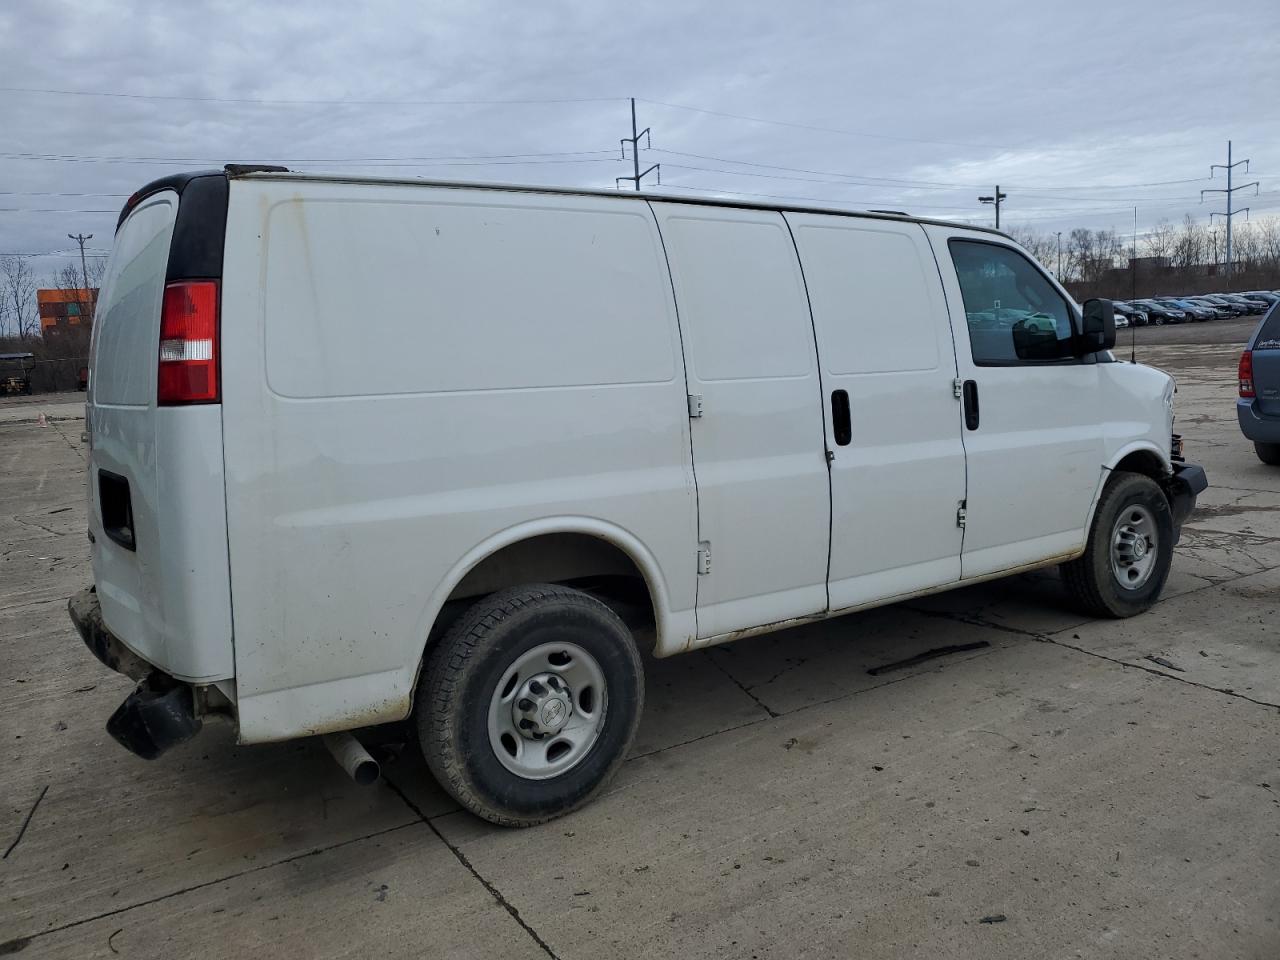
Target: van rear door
[
  {"x": 764, "y": 507},
  {"x": 157, "y": 510}
]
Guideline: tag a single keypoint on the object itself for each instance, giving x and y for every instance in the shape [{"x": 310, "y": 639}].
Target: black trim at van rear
[{"x": 200, "y": 229}]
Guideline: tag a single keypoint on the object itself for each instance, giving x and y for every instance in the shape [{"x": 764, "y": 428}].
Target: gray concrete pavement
[
  {"x": 55, "y": 406},
  {"x": 1111, "y": 789}
]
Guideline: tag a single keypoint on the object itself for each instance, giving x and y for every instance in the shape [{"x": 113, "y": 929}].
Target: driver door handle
[{"x": 970, "y": 394}]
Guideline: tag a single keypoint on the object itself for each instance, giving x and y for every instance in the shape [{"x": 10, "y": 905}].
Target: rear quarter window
[{"x": 127, "y": 328}]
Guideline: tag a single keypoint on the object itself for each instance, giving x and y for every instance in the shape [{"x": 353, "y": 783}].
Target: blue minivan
[{"x": 1258, "y": 407}]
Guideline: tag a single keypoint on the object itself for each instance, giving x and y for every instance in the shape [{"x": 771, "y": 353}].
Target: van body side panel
[
  {"x": 167, "y": 598},
  {"x": 763, "y": 490},
  {"x": 1035, "y": 461},
  {"x": 410, "y": 374},
  {"x": 885, "y": 340}
]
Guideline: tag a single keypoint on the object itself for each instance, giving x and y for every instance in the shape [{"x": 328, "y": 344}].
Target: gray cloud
[{"x": 1065, "y": 105}]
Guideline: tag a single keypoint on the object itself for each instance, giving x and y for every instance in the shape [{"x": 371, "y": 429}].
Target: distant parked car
[
  {"x": 1194, "y": 311},
  {"x": 1136, "y": 316},
  {"x": 1160, "y": 314},
  {"x": 1266, "y": 295},
  {"x": 1235, "y": 309},
  {"x": 1254, "y": 305},
  {"x": 1220, "y": 311},
  {"x": 1258, "y": 408}
]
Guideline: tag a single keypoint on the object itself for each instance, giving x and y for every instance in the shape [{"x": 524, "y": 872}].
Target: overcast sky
[{"x": 900, "y": 105}]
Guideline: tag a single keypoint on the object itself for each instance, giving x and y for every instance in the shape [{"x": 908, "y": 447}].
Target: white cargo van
[{"x": 368, "y": 449}]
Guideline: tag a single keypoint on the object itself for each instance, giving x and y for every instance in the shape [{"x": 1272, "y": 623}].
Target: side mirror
[{"x": 1098, "y": 327}]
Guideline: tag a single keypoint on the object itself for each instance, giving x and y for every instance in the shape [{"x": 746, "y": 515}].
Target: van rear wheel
[
  {"x": 1129, "y": 550},
  {"x": 1268, "y": 453},
  {"x": 530, "y": 703}
]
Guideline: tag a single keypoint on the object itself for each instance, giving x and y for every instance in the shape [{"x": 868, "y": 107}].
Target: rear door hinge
[
  {"x": 957, "y": 388},
  {"x": 704, "y": 557},
  {"x": 695, "y": 406},
  {"x": 962, "y": 514}
]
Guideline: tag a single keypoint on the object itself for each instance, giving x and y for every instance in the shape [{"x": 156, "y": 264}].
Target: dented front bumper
[{"x": 161, "y": 711}]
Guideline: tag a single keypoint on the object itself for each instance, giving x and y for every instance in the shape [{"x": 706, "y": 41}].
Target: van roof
[{"x": 265, "y": 172}]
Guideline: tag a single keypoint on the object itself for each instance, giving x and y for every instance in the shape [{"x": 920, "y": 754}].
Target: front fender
[{"x": 1144, "y": 447}]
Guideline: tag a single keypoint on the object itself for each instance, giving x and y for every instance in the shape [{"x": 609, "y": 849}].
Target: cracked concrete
[{"x": 779, "y": 802}]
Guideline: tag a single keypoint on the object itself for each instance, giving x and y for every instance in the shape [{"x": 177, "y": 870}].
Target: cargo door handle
[
  {"x": 841, "y": 425},
  {"x": 971, "y": 404}
]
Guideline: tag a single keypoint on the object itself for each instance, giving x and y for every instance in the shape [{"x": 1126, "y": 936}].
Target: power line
[
  {"x": 464, "y": 161},
  {"x": 920, "y": 184},
  {"x": 466, "y": 156},
  {"x": 51, "y": 253},
  {"x": 854, "y": 183},
  {"x": 308, "y": 102},
  {"x": 816, "y": 127},
  {"x": 44, "y": 193}
]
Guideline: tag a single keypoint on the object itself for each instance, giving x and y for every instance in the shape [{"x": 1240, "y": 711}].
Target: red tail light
[
  {"x": 188, "y": 370},
  {"x": 1246, "y": 375}
]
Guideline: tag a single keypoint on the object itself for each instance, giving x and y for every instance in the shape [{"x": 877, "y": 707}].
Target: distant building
[
  {"x": 1148, "y": 263},
  {"x": 63, "y": 310}
]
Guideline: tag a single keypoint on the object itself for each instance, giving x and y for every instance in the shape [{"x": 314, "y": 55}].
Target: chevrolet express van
[{"x": 364, "y": 450}]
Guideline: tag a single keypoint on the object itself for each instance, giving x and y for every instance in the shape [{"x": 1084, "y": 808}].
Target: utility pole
[
  {"x": 1133, "y": 259},
  {"x": 996, "y": 200},
  {"x": 1229, "y": 191},
  {"x": 634, "y": 140},
  {"x": 1059, "y": 256},
  {"x": 80, "y": 238}
]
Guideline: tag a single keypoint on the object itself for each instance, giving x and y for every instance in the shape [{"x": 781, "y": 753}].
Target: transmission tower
[
  {"x": 634, "y": 140},
  {"x": 1229, "y": 191}
]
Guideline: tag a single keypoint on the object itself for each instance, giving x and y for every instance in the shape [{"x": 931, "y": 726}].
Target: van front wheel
[
  {"x": 530, "y": 703},
  {"x": 1130, "y": 548}
]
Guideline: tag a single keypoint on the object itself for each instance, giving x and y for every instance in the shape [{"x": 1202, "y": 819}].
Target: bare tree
[
  {"x": 19, "y": 290},
  {"x": 1160, "y": 241},
  {"x": 1190, "y": 243}
]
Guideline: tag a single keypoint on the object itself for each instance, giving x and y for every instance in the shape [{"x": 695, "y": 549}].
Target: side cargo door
[
  {"x": 893, "y": 415},
  {"x": 1033, "y": 421},
  {"x": 755, "y": 416}
]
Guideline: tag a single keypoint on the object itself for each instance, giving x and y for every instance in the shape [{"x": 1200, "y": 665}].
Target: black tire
[
  {"x": 461, "y": 679},
  {"x": 1090, "y": 579},
  {"x": 1268, "y": 453}
]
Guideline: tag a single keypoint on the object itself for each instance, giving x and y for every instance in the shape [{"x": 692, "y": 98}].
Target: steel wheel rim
[
  {"x": 1134, "y": 547},
  {"x": 547, "y": 710}
]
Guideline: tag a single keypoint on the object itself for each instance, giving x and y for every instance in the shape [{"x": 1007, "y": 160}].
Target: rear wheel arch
[{"x": 559, "y": 551}]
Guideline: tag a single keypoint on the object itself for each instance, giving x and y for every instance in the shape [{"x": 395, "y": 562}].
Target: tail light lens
[
  {"x": 1246, "y": 375},
  {"x": 188, "y": 368}
]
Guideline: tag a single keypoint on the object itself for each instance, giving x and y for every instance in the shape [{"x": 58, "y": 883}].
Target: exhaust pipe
[{"x": 353, "y": 758}]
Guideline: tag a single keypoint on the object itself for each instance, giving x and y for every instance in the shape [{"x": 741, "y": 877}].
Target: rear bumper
[
  {"x": 1256, "y": 426},
  {"x": 161, "y": 711},
  {"x": 1188, "y": 481}
]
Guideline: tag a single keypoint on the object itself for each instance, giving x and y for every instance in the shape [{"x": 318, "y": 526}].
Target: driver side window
[{"x": 1013, "y": 313}]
